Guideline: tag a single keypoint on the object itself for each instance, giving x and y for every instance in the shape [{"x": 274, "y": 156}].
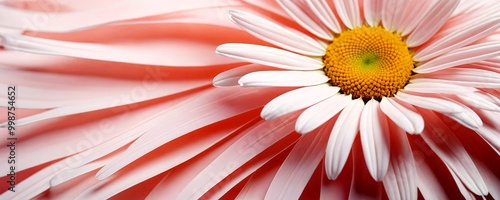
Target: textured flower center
[{"x": 368, "y": 62}]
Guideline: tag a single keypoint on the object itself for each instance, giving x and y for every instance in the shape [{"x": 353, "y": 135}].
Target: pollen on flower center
[{"x": 368, "y": 62}]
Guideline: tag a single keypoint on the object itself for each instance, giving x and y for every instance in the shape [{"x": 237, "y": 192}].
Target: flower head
[{"x": 365, "y": 65}]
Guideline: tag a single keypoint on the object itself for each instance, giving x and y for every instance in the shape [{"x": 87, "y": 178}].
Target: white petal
[
  {"x": 488, "y": 96},
  {"x": 152, "y": 52},
  {"x": 374, "y": 133},
  {"x": 443, "y": 88},
  {"x": 256, "y": 186},
  {"x": 296, "y": 100},
  {"x": 322, "y": 10},
  {"x": 428, "y": 183},
  {"x": 269, "y": 56},
  {"x": 464, "y": 80},
  {"x": 300, "y": 16},
  {"x": 449, "y": 149},
  {"x": 478, "y": 100},
  {"x": 340, "y": 142},
  {"x": 71, "y": 174},
  {"x": 372, "y": 9},
  {"x": 432, "y": 22},
  {"x": 463, "y": 190},
  {"x": 461, "y": 56},
  {"x": 404, "y": 115},
  {"x": 469, "y": 77},
  {"x": 68, "y": 16},
  {"x": 491, "y": 136},
  {"x": 400, "y": 180},
  {"x": 416, "y": 11},
  {"x": 466, "y": 7},
  {"x": 233, "y": 157},
  {"x": 349, "y": 12},
  {"x": 467, "y": 117},
  {"x": 299, "y": 166},
  {"x": 110, "y": 101},
  {"x": 231, "y": 77},
  {"x": 208, "y": 105},
  {"x": 276, "y": 34},
  {"x": 393, "y": 12},
  {"x": 318, "y": 114},
  {"x": 491, "y": 180},
  {"x": 464, "y": 34},
  {"x": 432, "y": 103},
  {"x": 284, "y": 78}
]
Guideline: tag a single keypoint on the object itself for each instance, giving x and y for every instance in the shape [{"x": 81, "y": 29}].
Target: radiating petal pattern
[{"x": 250, "y": 99}]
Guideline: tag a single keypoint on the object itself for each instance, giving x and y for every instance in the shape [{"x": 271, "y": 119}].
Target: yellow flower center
[{"x": 368, "y": 62}]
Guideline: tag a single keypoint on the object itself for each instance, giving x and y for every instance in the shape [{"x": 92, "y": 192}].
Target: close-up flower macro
[{"x": 250, "y": 99}]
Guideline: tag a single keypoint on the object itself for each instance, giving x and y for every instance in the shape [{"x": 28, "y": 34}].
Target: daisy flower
[
  {"x": 377, "y": 68},
  {"x": 116, "y": 99}
]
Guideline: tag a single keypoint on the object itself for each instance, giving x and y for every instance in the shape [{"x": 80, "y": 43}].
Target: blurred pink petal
[{"x": 120, "y": 99}]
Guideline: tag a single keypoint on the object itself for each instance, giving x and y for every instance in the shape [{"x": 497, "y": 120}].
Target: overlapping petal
[{"x": 173, "y": 135}]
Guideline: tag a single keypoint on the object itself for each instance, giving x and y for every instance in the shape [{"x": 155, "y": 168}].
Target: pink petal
[
  {"x": 464, "y": 32},
  {"x": 231, "y": 77},
  {"x": 451, "y": 151},
  {"x": 325, "y": 14},
  {"x": 255, "y": 140},
  {"x": 184, "y": 123},
  {"x": 349, "y": 12},
  {"x": 372, "y": 11},
  {"x": 400, "y": 181},
  {"x": 68, "y": 21},
  {"x": 259, "y": 182},
  {"x": 178, "y": 177},
  {"x": 38, "y": 182},
  {"x": 271, "y": 6},
  {"x": 70, "y": 174},
  {"x": 393, "y": 12},
  {"x": 422, "y": 86},
  {"x": 162, "y": 52},
  {"x": 428, "y": 183},
  {"x": 165, "y": 158},
  {"x": 432, "y": 22},
  {"x": 92, "y": 105},
  {"x": 413, "y": 15},
  {"x": 491, "y": 136},
  {"x": 478, "y": 100},
  {"x": 91, "y": 139},
  {"x": 303, "y": 15},
  {"x": 491, "y": 180},
  {"x": 284, "y": 78},
  {"x": 274, "y": 152},
  {"x": 463, "y": 190},
  {"x": 297, "y": 169},
  {"x": 462, "y": 56},
  {"x": 467, "y": 77},
  {"x": 277, "y": 34}
]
